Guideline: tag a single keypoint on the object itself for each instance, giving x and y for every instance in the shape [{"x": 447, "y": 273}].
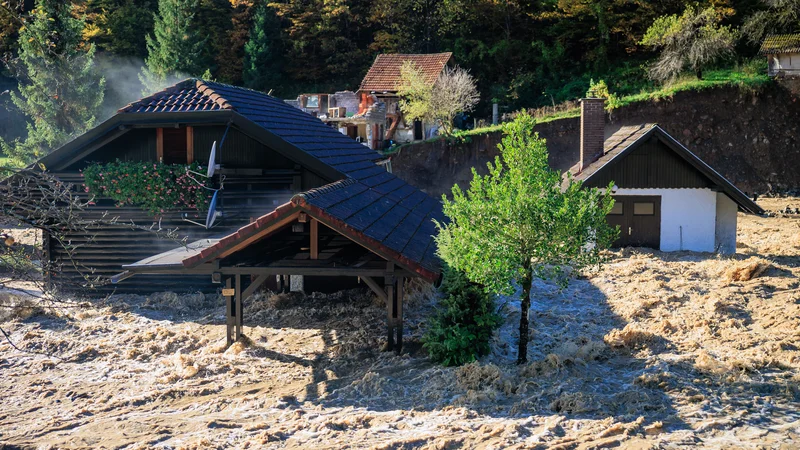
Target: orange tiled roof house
[
  {"x": 372, "y": 115},
  {"x": 381, "y": 83}
]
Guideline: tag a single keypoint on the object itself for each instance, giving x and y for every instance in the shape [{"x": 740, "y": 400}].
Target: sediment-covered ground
[{"x": 653, "y": 351}]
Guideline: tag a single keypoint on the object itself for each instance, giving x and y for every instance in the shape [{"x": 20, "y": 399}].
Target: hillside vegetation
[{"x": 749, "y": 77}]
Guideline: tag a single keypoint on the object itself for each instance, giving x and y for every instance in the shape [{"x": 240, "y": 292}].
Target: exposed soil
[{"x": 653, "y": 351}]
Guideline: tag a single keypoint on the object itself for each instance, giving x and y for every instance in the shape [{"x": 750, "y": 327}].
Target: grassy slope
[{"x": 747, "y": 79}]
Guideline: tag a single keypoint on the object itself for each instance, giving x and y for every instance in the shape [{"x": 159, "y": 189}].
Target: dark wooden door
[
  {"x": 639, "y": 221},
  {"x": 418, "y": 134},
  {"x": 175, "y": 148}
]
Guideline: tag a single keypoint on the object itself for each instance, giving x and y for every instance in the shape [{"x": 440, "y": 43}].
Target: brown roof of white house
[{"x": 384, "y": 75}]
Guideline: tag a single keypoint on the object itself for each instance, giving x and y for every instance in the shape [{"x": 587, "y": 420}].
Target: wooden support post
[
  {"x": 254, "y": 285},
  {"x": 399, "y": 312},
  {"x": 229, "y": 319},
  {"x": 389, "y": 285},
  {"x": 375, "y": 287},
  {"x": 160, "y": 144},
  {"x": 189, "y": 145},
  {"x": 238, "y": 309},
  {"x": 314, "y": 239}
]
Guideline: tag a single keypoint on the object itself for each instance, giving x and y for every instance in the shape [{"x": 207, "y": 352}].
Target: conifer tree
[
  {"x": 175, "y": 50},
  {"x": 59, "y": 89},
  {"x": 262, "y": 53}
]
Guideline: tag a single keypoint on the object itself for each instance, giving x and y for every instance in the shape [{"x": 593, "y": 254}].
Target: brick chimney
[{"x": 593, "y": 122}]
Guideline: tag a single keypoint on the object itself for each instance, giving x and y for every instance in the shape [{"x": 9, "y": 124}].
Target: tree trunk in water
[{"x": 525, "y": 305}]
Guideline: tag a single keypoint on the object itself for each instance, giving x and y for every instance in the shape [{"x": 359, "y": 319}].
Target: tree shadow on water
[{"x": 572, "y": 371}]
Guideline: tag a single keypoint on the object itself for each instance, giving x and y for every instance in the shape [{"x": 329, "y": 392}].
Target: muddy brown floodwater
[{"x": 654, "y": 350}]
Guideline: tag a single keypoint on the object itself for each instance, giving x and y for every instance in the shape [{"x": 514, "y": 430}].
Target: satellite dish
[
  {"x": 212, "y": 161},
  {"x": 213, "y": 214}
]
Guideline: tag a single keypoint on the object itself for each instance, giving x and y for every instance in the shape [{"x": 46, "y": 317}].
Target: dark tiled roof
[
  {"x": 628, "y": 138},
  {"x": 292, "y": 125},
  {"x": 384, "y": 75},
  {"x": 370, "y": 204},
  {"x": 780, "y": 43},
  {"x": 389, "y": 216},
  {"x": 186, "y": 96},
  {"x": 385, "y": 210}
]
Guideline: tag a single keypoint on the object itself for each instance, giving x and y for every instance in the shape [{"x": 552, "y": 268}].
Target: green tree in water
[
  {"x": 262, "y": 52},
  {"x": 521, "y": 221},
  {"x": 60, "y": 91},
  {"x": 175, "y": 50}
]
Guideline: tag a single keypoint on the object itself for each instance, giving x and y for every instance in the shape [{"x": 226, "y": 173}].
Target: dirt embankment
[
  {"x": 680, "y": 350},
  {"x": 752, "y": 138}
]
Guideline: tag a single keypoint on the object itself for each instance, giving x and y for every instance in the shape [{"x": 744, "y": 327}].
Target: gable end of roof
[{"x": 629, "y": 139}]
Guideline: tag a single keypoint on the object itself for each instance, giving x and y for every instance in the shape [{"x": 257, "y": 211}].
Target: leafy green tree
[
  {"x": 460, "y": 330},
  {"x": 120, "y": 26},
  {"x": 453, "y": 92},
  {"x": 59, "y": 89},
  {"x": 327, "y": 42},
  {"x": 262, "y": 53},
  {"x": 692, "y": 40},
  {"x": 213, "y": 20},
  {"x": 779, "y": 16},
  {"x": 10, "y": 24},
  {"x": 230, "y": 62},
  {"x": 415, "y": 93},
  {"x": 521, "y": 221},
  {"x": 176, "y": 48}
]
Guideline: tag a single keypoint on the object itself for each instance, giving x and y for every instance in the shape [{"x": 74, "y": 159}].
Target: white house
[
  {"x": 783, "y": 54},
  {"x": 666, "y": 197}
]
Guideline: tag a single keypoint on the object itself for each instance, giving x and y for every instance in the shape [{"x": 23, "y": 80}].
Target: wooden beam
[
  {"x": 238, "y": 322},
  {"x": 375, "y": 287},
  {"x": 254, "y": 286},
  {"x": 314, "y": 239},
  {"x": 399, "y": 313},
  {"x": 189, "y": 145},
  {"x": 261, "y": 234},
  {"x": 160, "y": 144},
  {"x": 389, "y": 284},
  {"x": 273, "y": 270},
  {"x": 228, "y": 316}
]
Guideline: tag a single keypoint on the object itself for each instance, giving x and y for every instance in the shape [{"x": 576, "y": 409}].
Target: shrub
[
  {"x": 460, "y": 330},
  {"x": 600, "y": 90},
  {"x": 155, "y": 187}
]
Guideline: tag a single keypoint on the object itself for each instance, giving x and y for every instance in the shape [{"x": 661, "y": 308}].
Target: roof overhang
[{"x": 82, "y": 146}]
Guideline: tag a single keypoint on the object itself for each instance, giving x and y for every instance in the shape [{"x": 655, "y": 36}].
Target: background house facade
[
  {"x": 372, "y": 115},
  {"x": 665, "y": 196},
  {"x": 783, "y": 54}
]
